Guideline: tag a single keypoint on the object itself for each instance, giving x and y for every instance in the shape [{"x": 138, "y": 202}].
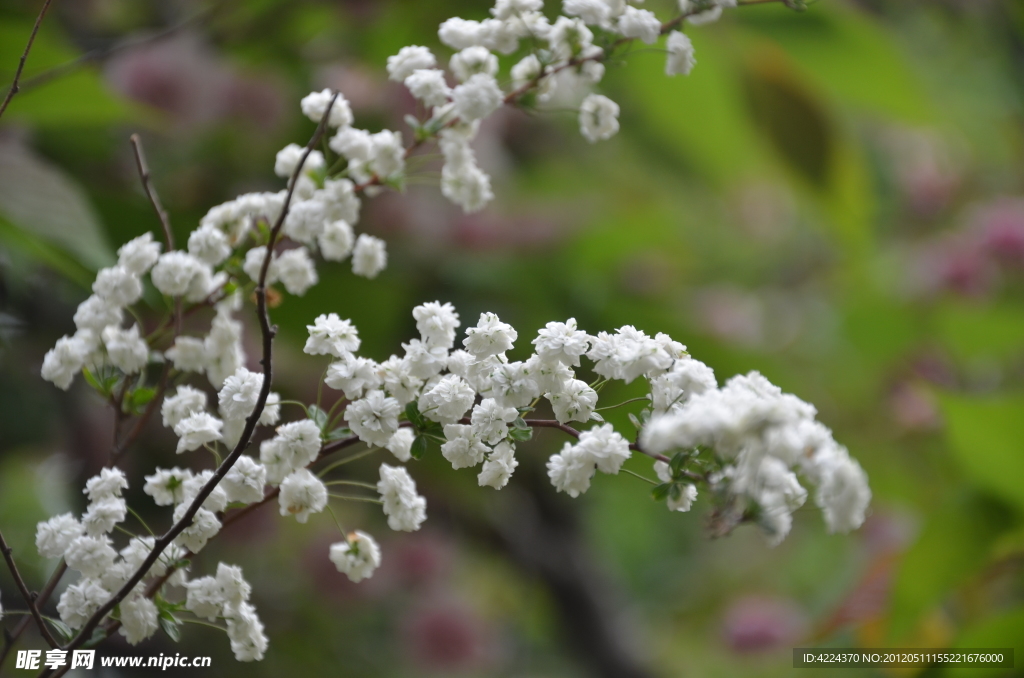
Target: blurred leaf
[
  {"x": 171, "y": 626},
  {"x": 980, "y": 330},
  {"x": 986, "y": 435},
  {"x": 50, "y": 209},
  {"x": 65, "y": 632},
  {"x": 1003, "y": 630},
  {"x": 419, "y": 447},
  {"x": 318, "y": 416},
  {"x": 954, "y": 543}
]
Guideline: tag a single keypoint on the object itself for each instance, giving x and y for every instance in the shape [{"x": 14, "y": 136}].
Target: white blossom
[
  {"x": 569, "y": 37},
  {"x": 315, "y": 104},
  {"x": 90, "y": 555},
  {"x": 138, "y": 619},
  {"x": 302, "y": 493},
  {"x": 369, "y": 256},
  {"x": 639, "y": 23},
  {"x": 627, "y": 354},
  {"x": 289, "y": 157},
  {"x": 499, "y": 466},
  {"x": 245, "y": 481},
  {"x": 680, "y": 54},
  {"x": 448, "y": 400},
  {"x": 239, "y": 394},
  {"x": 96, "y": 313},
  {"x": 507, "y": 9},
  {"x": 80, "y": 600},
  {"x": 296, "y": 271},
  {"x": 400, "y": 444},
  {"x": 216, "y": 501},
  {"x": 436, "y": 323},
  {"x": 167, "y": 485},
  {"x": 460, "y": 33},
  {"x": 138, "y": 255},
  {"x": 185, "y": 401},
  {"x": 107, "y": 483},
  {"x": 103, "y": 514},
  {"x": 599, "y": 118},
  {"x": 188, "y": 354},
  {"x": 127, "y": 350},
  {"x": 576, "y": 402},
  {"x": 53, "y": 536},
  {"x": 196, "y": 430},
  {"x": 473, "y": 60},
  {"x": 179, "y": 273},
  {"x": 374, "y": 418},
  {"x": 408, "y": 60},
  {"x": 352, "y": 374},
  {"x": 305, "y": 221},
  {"x": 330, "y": 335},
  {"x": 245, "y": 631},
  {"x": 512, "y": 384},
  {"x": 477, "y": 97},
  {"x": 593, "y": 12},
  {"x": 205, "y": 598},
  {"x": 209, "y": 244},
  {"x": 562, "y": 342},
  {"x": 118, "y": 286},
  {"x": 336, "y": 240},
  {"x": 398, "y": 380},
  {"x": 429, "y": 86},
  {"x": 463, "y": 447},
  {"x": 357, "y": 557},
  {"x": 489, "y": 337},
  {"x": 405, "y": 509},
  {"x": 296, "y": 445},
  {"x": 62, "y": 362},
  {"x": 490, "y": 420},
  {"x": 204, "y": 526},
  {"x": 235, "y": 588}
]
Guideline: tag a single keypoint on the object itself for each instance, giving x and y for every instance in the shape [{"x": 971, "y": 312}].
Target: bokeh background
[{"x": 833, "y": 197}]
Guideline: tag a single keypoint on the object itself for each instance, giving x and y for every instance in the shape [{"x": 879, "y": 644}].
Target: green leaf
[
  {"x": 318, "y": 416},
  {"x": 596, "y": 416},
  {"x": 635, "y": 421},
  {"x": 520, "y": 435},
  {"x": 419, "y": 447},
  {"x": 660, "y": 492},
  {"x": 677, "y": 463},
  {"x": 91, "y": 379},
  {"x": 520, "y": 424},
  {"x": 63, "y": 629},
  {"x": 675, "y": 491},
  {"x": 339, "y": 433},
  {"x": 139, "y": 398},
  {"x": 986, "y": 435},
  {"x": 171, "y": 626},
  {"x": 412, "y": 413}
]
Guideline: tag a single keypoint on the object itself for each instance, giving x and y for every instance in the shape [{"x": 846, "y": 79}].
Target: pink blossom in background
[{"x": 762, "y": 623}]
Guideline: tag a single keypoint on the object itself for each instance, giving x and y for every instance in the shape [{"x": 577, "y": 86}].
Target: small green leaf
[
  {"x": 677, "y": 462},
  {"x": 62, "y": 628},
  {"x": 675, "y": 492},
  {"x": 318, "y": 416},
  {"x": 171, "y": 626},
  {"x": 520, "y": 435},
  {"x": 520, "y": 424},
  {"x": 596, "y": 416},
  {"x": 139, "y": 398},
  {"x": 412, "y": 413},
  {"x": 339, "y": 433},
  {"x": 635, "y": 421},
  {"x": 419, "y": 447},
  {"x": 91, "y": 379},
  {"x": 659, "y": 492}
]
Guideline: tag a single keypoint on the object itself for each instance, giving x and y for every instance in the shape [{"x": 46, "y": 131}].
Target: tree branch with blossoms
[{"x": 745, "y": 443}]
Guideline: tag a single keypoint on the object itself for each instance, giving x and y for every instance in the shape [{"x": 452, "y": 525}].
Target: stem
[
  {"x": 346, "y": 460},
  {"x": 637, "y": 475},
  {"x": 353, "y": 483},
  {"x": 30, "y": 598},
  {"x": 350, "y": 497},
  {"x": 14, "y": 88},
  {"x": 44, "y": 595},
  {"x": 139, "y": 518},
  {"x": 335, "y": 516},
  {"x": 161, "y": 213},
  {"x": 200, "y": 622},
  {"x": 624, "y": 402}
]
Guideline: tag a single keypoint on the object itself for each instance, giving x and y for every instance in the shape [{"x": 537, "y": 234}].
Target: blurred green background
[{"x": 833, "y": 197}]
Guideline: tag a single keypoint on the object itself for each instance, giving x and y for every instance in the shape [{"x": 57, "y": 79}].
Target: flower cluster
[{"x": 465, "y": 397}]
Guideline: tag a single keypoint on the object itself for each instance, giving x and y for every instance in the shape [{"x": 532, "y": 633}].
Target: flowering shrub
[{"x": 744, "y": 444}]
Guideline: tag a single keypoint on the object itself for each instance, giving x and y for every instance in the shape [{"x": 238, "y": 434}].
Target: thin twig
[
  {"x": 30, "y": 598},
  {"x": 140, "y": 163},
  {"x": 15, "y": 88}
]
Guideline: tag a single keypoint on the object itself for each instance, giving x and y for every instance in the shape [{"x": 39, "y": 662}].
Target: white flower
[
  {"x": 562, "y": 342},
  {"x": 473, "y": 60},
  {"x": 507, "y": 9},
  {"x": 337, "y": 240},
  {"x": 459, "y": 33},
  {"x": 490, "y": 420},
  {"x": 776, "y": 491},
  {"x": 339, "y": 200},
  {"x": 843, "y": 493},
  {"x": 239, "y": 394},
  {"x": 687, "y": 494},
  {"x": 357, "y": 557},
  {"x": 215, "y": 502},
  {"x": 388, "y": 154},
  {"x": 53, "y": 536},
  {"x": 398, "y": 379},
  {"x": 528, "y": 69},
  {"x": 204, "y": 527},
  {"x": 707, "y": 16},
  {"x": 253, "y": 264},
  {"x": 103, "y": 514},
  {"x": 224, "y": 353},
  {"x": 271, "y": 413},
  {"x": 599, "y": 118},
  {"x": 196, "y": 430},
  {"x": 409, "y": 59},
  {"x": 593, "y": 12},
  {"x": 139, "y": 254},
  {"x": 64, "y": 361},
  {"x": 639, "y": 23},
  {"x": 466, "y": 185},
  {"x": 305, "y": 221},
  {"x": 499, "y": 466},
  {"x": 687, "y": 377},
  {"x": 118, "y": 286},
  {"x": 352, "y": 374},
  {"x": 302, "y": 493},
  {"x": 355, "y": 144},
  {"x": 297, "y": 444},
  {"x": 627, "y": 354},
  {"x": 208, "y": 243},
  {"x": 295, "y": 269},
  {"x": 315, "y": 104},
  {"x": 576, "y": 402},
  {"x": 425, "y": 360},
  {"x": 176, "y": 273},
  {"x": 138, "y": 619},
  {"x": 369, "y": 257},
  {"x": 512, "y": 385},
  {"x": 489, "y": 337},
  {"x": 570, "y": 470},
  {"x": 436, "y": 323},
  {"x": 92, "y": 556},
  {"x": 80, "y": 600},
  {"x": 244, "y": 482},
  {"x": 167, "y": 486},
  {"x": 405, "y": 509},
  {"x": 400, "y": 444},
  {"x": 95, "y": 313},
  {"x": 288, "y": 158},
  {"x": 330, "y": 335},
  {"x": 233, "y": 585},
  {"x": 127, "y": 350},
  {"x": 463, "y": 447},
  {"x": 551, "y": 377},
  {"x": 477, "y": 97},
  {"x": 680, "y": 54},
  {"x": 205, "y": 598},
  {"x": 605, "y": 447},
  {"x": 188, "y": 354},
  {"x": 569, "y": 37},
  {"x": 245, "y": 631},
  {"x": 429, "y": 86},
  {"x": 374, "y": 418},
  {"x": 184, "y": 402},
  {"x": 448, "y": 400},
  {"x": 107, "y": 483}
]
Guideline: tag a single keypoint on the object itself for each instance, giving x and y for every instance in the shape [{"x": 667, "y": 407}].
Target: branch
[
  {"x": 140, "y": 162},
  {"x": 14, "y": 88},
  {"x": 30, "y": 598},
  {"x": 267, "y": 333}
]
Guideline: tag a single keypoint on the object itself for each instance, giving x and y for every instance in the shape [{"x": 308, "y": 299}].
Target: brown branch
[
  {"x": 140, "y": 163},
  {"x": 267, "y": 332},
  {"x": 30, "y": 598},
  {"x": 15, "y": 88},
  {"x": 41, "y": 599}
]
